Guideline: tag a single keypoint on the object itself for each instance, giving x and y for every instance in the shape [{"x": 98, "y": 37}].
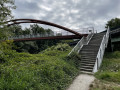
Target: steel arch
[{"x": 19, "y": 21}]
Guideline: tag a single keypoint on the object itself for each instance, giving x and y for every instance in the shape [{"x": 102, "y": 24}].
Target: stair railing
[
  {"x": 101, "y": 51},
  {"x": 79, "y": 45}
]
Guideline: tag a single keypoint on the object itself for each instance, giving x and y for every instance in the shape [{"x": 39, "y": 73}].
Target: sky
[{"x": 74, "y": 14}]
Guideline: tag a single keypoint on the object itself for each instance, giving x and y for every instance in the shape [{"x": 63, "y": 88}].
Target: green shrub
[
  {"x": 48, "y": 70},
  {"x": 110, "y": 68},
  {"x": 75, "y": 58},
  {"x": 60, "y": 47}
]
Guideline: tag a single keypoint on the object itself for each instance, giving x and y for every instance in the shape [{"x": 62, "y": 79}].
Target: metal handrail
[
  {"x": 80, "y": 44},
  {"x": 101, "y": 51}
]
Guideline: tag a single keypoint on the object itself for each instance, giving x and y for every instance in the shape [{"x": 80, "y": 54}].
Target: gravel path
[{"x": 81, "y": 82}]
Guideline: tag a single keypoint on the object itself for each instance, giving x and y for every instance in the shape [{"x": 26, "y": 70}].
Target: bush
[
  {"x": 110, "y": 69},
  {"x": 59, "y": 47},
  {"x": 48, "y": 70},
  {"x": 75, "y": 58}
]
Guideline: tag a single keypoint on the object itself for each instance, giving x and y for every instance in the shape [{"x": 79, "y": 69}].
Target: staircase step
[
  {"x": 86, "y": 72},
  {"x": 93, "y": 58},
  {"x": 95, "y": 42},
  {"x": 87, "y": 67},
  {"x": 89, "y": 49},
  {"x": 88, "y": 60},
  {"x": 85, "y": 57},
  {"x": 84, "y": 69},
  {"x": 87, "y": 64},
  {"x": 89, "y": 46},
  {"x": 88, "y": 57},
  {"x": 89, "y": 52},
  {"x": 85, "y": 61}
]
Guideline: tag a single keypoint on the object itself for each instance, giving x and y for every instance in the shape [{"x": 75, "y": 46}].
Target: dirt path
[{"x": 81, "y": 82}]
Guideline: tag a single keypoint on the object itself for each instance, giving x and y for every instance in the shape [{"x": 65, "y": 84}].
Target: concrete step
[
  {"x": 85, "y": 72},
  {"x": 95, "y": 40},
  {"x": 87, "y": 67},
  {"x": 87, "y": 64},
  {"x": 90, "y": 45},
  {"x": 88, "y": 70},
  {"x": 88, "y": 52},
  {"x": 88, "y": 60},
  {"x": 86, "y": 56},
  {"x": 85, "y": 61},
  {"x": 99, "y": 35}
]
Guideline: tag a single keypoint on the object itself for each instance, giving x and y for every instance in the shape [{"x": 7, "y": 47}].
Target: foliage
[
  {"x": 108, "y": 77},
  {"x": 48, "y": 70},
  {"x": 32, "y": 30},
  {"x": 110, "y": 69},
  {"x": 60, "y": 47},
  {"x": 32, "y": 46},
  {"x": 113, "y": 23},
  {"x": 104, "y": 85},
  {"x": 75, "y": 58},
  {"x": 5, "y": 9},
  {"x": 5, "y": 14}
]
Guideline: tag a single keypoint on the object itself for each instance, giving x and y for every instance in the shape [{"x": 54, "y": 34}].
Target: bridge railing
[
  {"x": 37, "y": 35},
  {"x": 65, "y": 33},
  {"x": 101, "y": 51}
]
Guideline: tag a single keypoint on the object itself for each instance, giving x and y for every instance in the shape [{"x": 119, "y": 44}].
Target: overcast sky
[{"x": 73, "y": 14}]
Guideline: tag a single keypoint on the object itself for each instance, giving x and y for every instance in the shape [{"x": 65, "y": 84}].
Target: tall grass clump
[{"x": 110, "y": 69}]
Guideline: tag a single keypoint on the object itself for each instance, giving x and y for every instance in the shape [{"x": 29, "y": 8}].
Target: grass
[
  {"x": 104, "y": 85},
  {"x": 109, "y": 72},
  {"x": 48, "y": 70}
]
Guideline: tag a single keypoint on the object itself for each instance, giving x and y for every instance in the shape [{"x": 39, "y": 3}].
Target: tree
[
  {"x": 35, "y": 29},
  {"x": 5, "y": 9},
  {"x": 16, "y": 29},
  {"x": 5, "y": 14},
  {"x": 113, "y": 23}
]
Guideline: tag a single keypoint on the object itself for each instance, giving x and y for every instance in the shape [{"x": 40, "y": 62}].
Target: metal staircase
[
  {"x": 91, "y": 49},
  {"x": 89, "y": 52}
]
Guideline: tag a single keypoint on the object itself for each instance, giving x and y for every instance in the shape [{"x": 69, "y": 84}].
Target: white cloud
[
  {"x": 45, "y": 8},
  {"x": 70, "y": 13}
]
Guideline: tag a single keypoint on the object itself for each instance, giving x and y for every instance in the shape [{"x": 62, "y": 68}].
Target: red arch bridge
[{"x": 67, "y": 34}]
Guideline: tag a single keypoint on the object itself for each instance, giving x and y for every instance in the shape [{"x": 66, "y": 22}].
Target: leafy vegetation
[
  {"x": 113, "y": 23},
  {"x": 48, "y": 70},
  {"x": 104, "y": 85},
  {"x": 109, "y": 73},
  {"x": 5, "y": 14},
  {"x": 110, "y": 69},
  {"x": 32, "y": 46}
]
